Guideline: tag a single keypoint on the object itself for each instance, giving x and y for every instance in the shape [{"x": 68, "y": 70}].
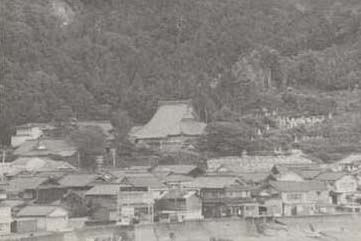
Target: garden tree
[{"x": 90, "y": 142}]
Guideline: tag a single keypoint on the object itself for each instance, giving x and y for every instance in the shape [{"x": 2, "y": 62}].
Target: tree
[{"x": 90, "y": 142}]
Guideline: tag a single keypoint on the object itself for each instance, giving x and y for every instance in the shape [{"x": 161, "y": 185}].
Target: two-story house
[
  {"x": 341, "y": 185},
  {"x": 299, "y": 198},
  {"x": 179, "y": 205},
  {"x": 224, "y": 196}
]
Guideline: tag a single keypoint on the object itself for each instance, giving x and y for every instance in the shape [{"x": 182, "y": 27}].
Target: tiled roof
[
  {"x": 351, "y": 159},
  {"x": 172, "y": 118},
  {"x": 37, "y": 211},
  {"x": 103, "y": 190},
  {"x": 78, "y": 180},
  {"x": 308, "y": 174},
  {"x": 249, "y": 163},
  {"x": 145, "y": 181},
  {"x": 292, "y": 186},
  {"x": 40, "y": 164},
  {"x": 330, "y": 176},
  {"x": 177, "y": 178},
  {"x": 177, "y": 169},
  {"x": 178, "y": 194},
  {"x": 57, "y": 147},
  {"x": 212, "y": 182},
  {"x": 20, "y": 184}
]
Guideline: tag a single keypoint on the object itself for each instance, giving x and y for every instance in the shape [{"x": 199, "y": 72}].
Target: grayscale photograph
[{"x": 180, "y": 120}]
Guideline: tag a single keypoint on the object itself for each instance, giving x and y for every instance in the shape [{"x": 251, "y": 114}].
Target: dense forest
[{"x": 113, "y": 59}]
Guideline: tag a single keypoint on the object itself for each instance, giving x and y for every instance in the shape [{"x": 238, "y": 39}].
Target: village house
[
  {"x": 224, "y": 196},
  {"x": 55, "y": 149},
  {"x": 341, "y": 185},
  {"x": 136, "y": 204},
  {"x": 79, "y": 181},
  {"x": 178, "y": 205},
  {"x": 295, "y": 172},
  {"x": 103, "y": 200},
  {"x": 36, "y": 189},
  {"x": 5, "y": 219},
  {"x": 172, "y": 128},
  {"x": 148, "y": 180},
  {"x": 298, "y": 198},
  {"x": 41, "y": 218},
  {"x": 30, "y": 131},
  {"x": 351, "y": 163},
  {"x": 40, "y": 165}
]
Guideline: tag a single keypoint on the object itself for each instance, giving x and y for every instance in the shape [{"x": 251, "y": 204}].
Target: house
[
  {"x": 151, "y": 182},
  {"x": 75, "y": 203},
  {"x": 179, "y": 205},
  {"x": 30, "y": 131},
  {"x": 78, "y": 181},
  {"x": 172, "y": 128},
  {"x": 56, "y": 149},
  {"x": 260, "y": 163},
  {"x": 298, "y": 198},
  {"x": 33, "y": 188},
  {"x": 186, "y": 170},
  {"x": 42, "y": 218},
  {"x": 136, "y": 204},
  {"x": 41, "y": 164},
  {"x": 103, "y": 200},
  {"x": 224, "y": 196},
  {"x": 5, "y": 219},
  {"x": 351, "y": 163},
  {"x": 341, "y": 185}
]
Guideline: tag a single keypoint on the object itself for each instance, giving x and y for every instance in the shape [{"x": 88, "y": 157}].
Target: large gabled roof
[
  {"x": 172, "y": 118},
  {"x": 58, "y": 147}
]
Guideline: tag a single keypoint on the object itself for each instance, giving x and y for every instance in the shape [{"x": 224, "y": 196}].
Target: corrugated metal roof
[
  {"x": 292, "y": 186},
  {"x": 172, "y": 118}
]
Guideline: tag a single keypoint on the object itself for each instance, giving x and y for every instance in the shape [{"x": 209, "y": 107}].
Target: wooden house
[
  {"x": 172, "y": 128},
  {"x": 341, "y": 185},
  {"x": 179, "y": 205},
  {"x": 224, "y": 196},
  {"x": 42, "y": 218},
  {"x": 298, "y": 198}
]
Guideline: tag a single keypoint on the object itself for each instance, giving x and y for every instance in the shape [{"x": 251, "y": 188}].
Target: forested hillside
[{"x": 95, "y": 59}]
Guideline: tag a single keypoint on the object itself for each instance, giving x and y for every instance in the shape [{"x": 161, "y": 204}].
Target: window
[{"x": 294, "y": 196}]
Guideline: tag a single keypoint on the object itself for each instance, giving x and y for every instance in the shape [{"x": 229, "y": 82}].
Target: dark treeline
[{"x": 96, "y": 59}]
